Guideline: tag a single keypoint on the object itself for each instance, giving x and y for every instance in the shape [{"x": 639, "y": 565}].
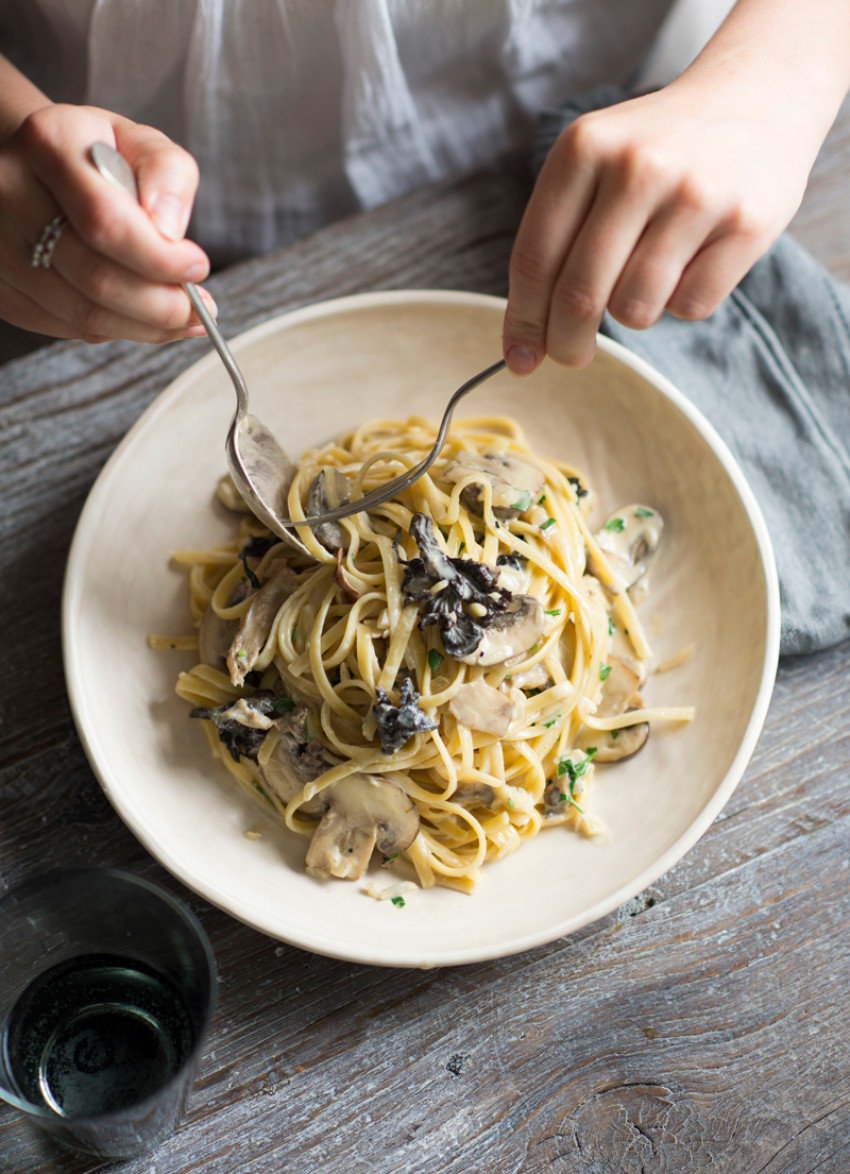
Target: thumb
[{"x": 167, "y": 176}]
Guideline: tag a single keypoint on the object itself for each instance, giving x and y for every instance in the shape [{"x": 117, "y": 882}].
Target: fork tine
[{"x": 384, "y": 492}]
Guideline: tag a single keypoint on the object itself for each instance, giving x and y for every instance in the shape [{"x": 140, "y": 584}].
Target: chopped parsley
[
  {"x": 574, "y": 770},
  {"x": 553, "y": 722},
  {"x": 541, "y": 499},
  {"x": 398, "y": 902},
  {"x": 616, "y": 524},
  {"x": 565, "y": 798},
  {"x": 435, "y": 659},
  {"x": 643, "y": 512},
  {"x": 615, "y": 735},
  {"x": 604, "y": 672},
  {"x": 549, "y": 522},
  {"x": 610, "y": 626},
  {"x": 283, "y": 705},
  {"x": 552, "y": 611},
  {"x": 523, "y": 501}
]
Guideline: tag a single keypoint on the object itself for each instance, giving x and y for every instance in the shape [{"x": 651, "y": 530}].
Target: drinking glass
[{"x": 107, "y": 987}]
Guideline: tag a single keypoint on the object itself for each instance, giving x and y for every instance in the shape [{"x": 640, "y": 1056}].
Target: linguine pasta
[{"x": 440, "y": 680}]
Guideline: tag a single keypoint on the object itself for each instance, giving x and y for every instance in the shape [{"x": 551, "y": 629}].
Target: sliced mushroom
[
  {"x": 619, "y": 695},
  {"x": 342, "y": 578},
  {"x": 329, "y": 489},
  {"x": 363, "y": 812},
  {"x": 229, "y": 495},
  {"x": 630, "y": 538},
  {"x": 475, "y": 794},
  {"x": 509, "y": 632},
  {"x": 515, "y": 483},
  {"x": 256, "y": 623},
  {"x": 297, "y": 759},
  {"x": 479, "y": 706},
  {"x": 615, "y": 745},
  {"x": 618, "y": 688},
  {"x": 215, "y": 634}
]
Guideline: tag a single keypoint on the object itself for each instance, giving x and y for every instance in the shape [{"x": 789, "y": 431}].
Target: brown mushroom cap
[
  {"x": 509, "y": 633},
  {"x": 256, "y": 624},
  {"x": 515, "y": 483},
  {"x": 363, "y": 812},
  {"x": 630, "y": 538}
]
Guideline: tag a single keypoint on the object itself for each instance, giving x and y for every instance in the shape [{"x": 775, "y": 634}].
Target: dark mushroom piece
[
  {"x": 242, "y": 725},
  {"x": 362, "y": 812},
  {"x": 461, "y": 596},
  {"x": 515, "y": 484},
  {"x": 396, "y": 724},
  {"x": 329, "y": 488}
]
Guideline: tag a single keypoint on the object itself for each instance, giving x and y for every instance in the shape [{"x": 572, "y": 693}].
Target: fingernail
[
  {"x": 169, "y": 215},
  {"x": 195, "y": 331},
  {"x": 521, "y": 359},
  {"x": 196, "y": 272}
]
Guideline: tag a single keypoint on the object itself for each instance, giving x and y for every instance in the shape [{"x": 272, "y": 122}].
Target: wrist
[{"x": 790, "y": 66}]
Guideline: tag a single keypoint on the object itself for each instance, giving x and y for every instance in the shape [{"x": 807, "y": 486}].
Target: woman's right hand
[{"x": 117, "y": 266}]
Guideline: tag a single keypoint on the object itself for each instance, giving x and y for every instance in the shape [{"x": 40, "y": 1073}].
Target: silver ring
[{"x": 42, "y": 250}]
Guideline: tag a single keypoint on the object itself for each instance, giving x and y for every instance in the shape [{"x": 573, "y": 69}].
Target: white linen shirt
[{"x": 300, "y": 111}]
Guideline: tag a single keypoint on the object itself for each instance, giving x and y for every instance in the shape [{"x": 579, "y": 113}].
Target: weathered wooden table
[{"x": 702, "y": 1027}]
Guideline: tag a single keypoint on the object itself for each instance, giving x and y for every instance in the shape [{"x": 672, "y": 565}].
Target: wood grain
[{"x": 702, "y": 1027}]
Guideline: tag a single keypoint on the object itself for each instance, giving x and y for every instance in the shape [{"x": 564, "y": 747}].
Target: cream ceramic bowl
[{"x": 316, "y": 372}]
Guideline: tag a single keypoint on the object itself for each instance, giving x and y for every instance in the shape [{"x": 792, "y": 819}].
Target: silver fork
[{"x": 258, "y": 465}]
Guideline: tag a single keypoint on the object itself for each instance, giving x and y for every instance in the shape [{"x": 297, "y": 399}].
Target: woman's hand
[
  {"x": 117, "y": 266},
  {"x": 666, "y": 201},
  {"x": 649, "y": 205}
]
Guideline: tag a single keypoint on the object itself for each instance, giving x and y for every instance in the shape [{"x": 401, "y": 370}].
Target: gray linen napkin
[{"x": 771, "y": 371}]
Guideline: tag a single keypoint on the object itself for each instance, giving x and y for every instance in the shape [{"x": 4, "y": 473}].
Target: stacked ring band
[{"x": 42, "y": 251}]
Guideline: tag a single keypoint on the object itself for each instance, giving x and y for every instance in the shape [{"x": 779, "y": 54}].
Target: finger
[
  {"x": 591, "y": 269},
  {"x": 92, "y": 296},
  {"x": 555, "y": 211},
  {"x": 108, "y": 220},
  {"x": 712, "y": 275},
  {"x": 23, "y": 312},
  {"x": 167, "y": 177},
  {"x": 653, "y": 271},
  {"x": 119, "y": 293}
]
